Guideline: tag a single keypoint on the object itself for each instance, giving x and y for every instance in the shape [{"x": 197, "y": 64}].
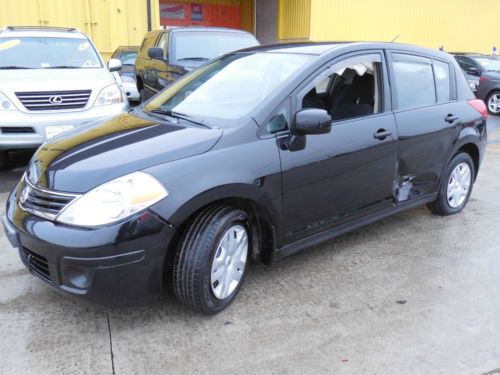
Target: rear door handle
[
  {"x": 451, "y": 118},
  {"x": 382, "y": 134}
]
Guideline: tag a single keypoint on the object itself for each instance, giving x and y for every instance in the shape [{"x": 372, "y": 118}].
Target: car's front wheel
[
  {"x": 456, "y": 186},
  {"x": 493, "y": 103},
  {"x": 212, "y": 258}
]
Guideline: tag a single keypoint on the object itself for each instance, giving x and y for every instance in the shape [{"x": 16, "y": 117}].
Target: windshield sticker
[
  {"x": 90, "y": 64},
  {"x": 45, "y": 65},
  {"x": 83, "y": 46},
  {"x": 9, "y": 44}
]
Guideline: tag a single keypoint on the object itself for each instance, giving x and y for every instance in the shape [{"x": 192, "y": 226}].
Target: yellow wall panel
[
  {"x": 458, "y": 25},
  {"x": 109, "y": 23},
  {"x": 293, "y": 19}
]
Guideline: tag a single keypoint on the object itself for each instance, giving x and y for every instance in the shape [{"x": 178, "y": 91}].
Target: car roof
[
  {"x": 154, "y": 33},
  {"x": 128, "y": 48},
  {"x": 324, "y": 48},
  {"x": 37, "y": 31}
]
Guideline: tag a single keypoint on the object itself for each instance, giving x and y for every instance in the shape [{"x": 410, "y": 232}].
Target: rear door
[{"x": 427, "y": 116}]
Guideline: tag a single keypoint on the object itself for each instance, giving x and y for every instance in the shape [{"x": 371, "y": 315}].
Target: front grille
[
  {"x": 54, "y": 100},
  {"x": 16, "y": 130},
  {"x": 37, "y": 264},
  {"x": 43, "y": 203}
]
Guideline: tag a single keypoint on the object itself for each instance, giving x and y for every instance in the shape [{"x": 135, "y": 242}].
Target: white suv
[{"x": 51, "y": 80}]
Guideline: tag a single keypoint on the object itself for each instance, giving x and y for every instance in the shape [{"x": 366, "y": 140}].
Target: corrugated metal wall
[
  {"x": 293, "y": 19},
  {"x": 458, "y": 25},
  {"x": 109, "y": 23}
]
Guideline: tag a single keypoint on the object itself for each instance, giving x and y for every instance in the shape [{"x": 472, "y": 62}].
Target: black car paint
[
  {"x": 489, "y": 83},
  {"x": 304, "y": 197}
]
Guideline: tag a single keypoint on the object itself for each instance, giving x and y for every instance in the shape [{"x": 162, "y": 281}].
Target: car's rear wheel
[
  {"x": 4, "y": 159},
  {"x": 456, "y": 186},
  {"x": 493, "y": 103},
  {"x": 211, "y": 260}
]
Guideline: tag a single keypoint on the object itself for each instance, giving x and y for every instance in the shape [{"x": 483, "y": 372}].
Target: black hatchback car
[{"x": 257, "y": 154}]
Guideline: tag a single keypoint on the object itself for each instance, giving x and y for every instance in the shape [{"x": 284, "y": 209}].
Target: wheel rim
[
  {"x": 459, "y": 185},
  {"x": 494, "y": 103},
  {"x": 229, "y": 262}
]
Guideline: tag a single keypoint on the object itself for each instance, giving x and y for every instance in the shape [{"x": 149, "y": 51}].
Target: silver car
[{"x": 51, "y": 80}]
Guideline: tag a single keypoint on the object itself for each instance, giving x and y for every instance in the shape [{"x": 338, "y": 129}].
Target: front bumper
[
  {"x": 39, "y": 122},
  {"x": 110, "y": 265}
]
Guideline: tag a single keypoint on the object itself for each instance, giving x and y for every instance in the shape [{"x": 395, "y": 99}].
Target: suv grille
[
  {"x": 43, "y": 203},
  {"x": 53, "y": 100},
  {"x": 37, "y": 264}
]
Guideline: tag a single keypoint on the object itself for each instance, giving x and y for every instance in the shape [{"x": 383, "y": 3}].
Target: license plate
[{"x": 52, "y": 131}]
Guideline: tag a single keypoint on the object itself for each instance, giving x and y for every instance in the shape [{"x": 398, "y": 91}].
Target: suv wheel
[
  {"x": 456, "y": 186},
  {"x": 493, "y": 103},
  {"x": 4, "y": 159},
  {"x": 211, "y": 260}
]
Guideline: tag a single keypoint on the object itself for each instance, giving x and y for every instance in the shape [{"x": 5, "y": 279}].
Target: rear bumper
[
  {"x": 112, "y": 265},
  {"x": 39, "y": 122}
]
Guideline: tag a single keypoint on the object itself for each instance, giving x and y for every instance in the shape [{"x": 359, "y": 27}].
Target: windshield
[
  {"x": 489, "y": 63},
  {"x": 205, "y": 45},
  {"x": 128, "y": 57},
  {"x": 47, "y": 53},
  {"x": 229, "y": 87}
]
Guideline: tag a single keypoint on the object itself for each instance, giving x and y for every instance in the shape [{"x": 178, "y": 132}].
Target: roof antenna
[{"x": 393, "y": 39}]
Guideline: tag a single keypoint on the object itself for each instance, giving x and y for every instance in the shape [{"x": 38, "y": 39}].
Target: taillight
[
  {"x": 481, "y": 79},
  {"x": 479, "y": 106}
]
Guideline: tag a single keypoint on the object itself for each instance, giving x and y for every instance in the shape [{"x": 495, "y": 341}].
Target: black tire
[
  {"x": 4, "y": 159},
  {"x": 196, "y": 251},
  {"x": 441, "y": 205},
  {"x": 497, "y": 113}
]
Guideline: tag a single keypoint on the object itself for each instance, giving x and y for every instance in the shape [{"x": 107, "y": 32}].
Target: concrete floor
[{"x": 414, "y": 293}]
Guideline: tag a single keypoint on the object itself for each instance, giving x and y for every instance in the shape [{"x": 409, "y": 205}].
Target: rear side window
[
  {"x": 414, "y": 81},
  {"x": 420, "y": 81},
  {"x": 442, "y": 77}
]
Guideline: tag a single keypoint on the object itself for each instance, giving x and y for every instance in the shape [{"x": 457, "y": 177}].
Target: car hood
[
  {"x": 16, "y": 80},
  {"x": 80, "y": 160}
]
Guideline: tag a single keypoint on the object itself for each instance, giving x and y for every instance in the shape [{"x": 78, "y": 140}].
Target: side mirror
[
  {"x": 312, "y": 121},
  {"x": 114, "y": 65},
  {"x": 472, "y": 70},
  {"x": 156, "y": 53}
]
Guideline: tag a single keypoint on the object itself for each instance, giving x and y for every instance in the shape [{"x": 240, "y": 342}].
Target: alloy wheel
[
  {"x": 494, "y": 103},
  {"x": 459, "y": 185},
  {"x": 229, "y": 262}
]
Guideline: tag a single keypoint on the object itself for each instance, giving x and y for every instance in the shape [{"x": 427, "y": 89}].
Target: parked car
[
  {"x": 127, "y": 56},
  {"x": 471, "y": 68},
  {"x": 51, "y": 80},
  {"x": 257, "y": 154},
  {"x": 166, "y": 55}
]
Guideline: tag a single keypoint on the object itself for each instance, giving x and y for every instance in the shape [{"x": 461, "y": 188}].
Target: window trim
[
  {"x": 432, "y": 58},
  {"x": 385, "y": 97}
]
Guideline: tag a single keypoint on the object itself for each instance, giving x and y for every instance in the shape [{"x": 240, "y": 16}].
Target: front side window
[
  {"x": 229, "y": 87},
  {"x": 206, "y": 45},
  {"x": 348, "y": 89},
  {"x": 162, "y": 43},
  {"x": 414, "y": 80},
  {"x": 47, "y": 53}
]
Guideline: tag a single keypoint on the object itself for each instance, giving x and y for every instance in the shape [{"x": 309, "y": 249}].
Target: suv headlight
[
  {"x": 109, "y": 95},
  {"x": 114, "y": 200},
  {"x": 6, "y": 104}
]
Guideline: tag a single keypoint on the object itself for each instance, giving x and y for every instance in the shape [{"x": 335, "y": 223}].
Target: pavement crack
[{"x": 111, "y": 345}]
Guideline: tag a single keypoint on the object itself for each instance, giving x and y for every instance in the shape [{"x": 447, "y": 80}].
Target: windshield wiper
[
  {"x": 15, "y": 67},
  {"x": 178, "y": 115},
  {"x": 194, "y": 58}
]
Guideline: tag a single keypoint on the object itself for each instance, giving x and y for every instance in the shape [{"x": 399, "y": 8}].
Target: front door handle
[
  {"x": 382, "y": 134},
  {"x": 451, "y": 118}
]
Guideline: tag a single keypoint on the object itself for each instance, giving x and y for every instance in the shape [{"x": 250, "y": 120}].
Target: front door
[{"x": 349, "y": 172}]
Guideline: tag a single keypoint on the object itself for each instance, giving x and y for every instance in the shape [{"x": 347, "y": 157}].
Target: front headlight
[
  {"x": 6, "y": 104},
  {"x": 109, "y": 95},
  {"x": 114, "y": 200}
]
